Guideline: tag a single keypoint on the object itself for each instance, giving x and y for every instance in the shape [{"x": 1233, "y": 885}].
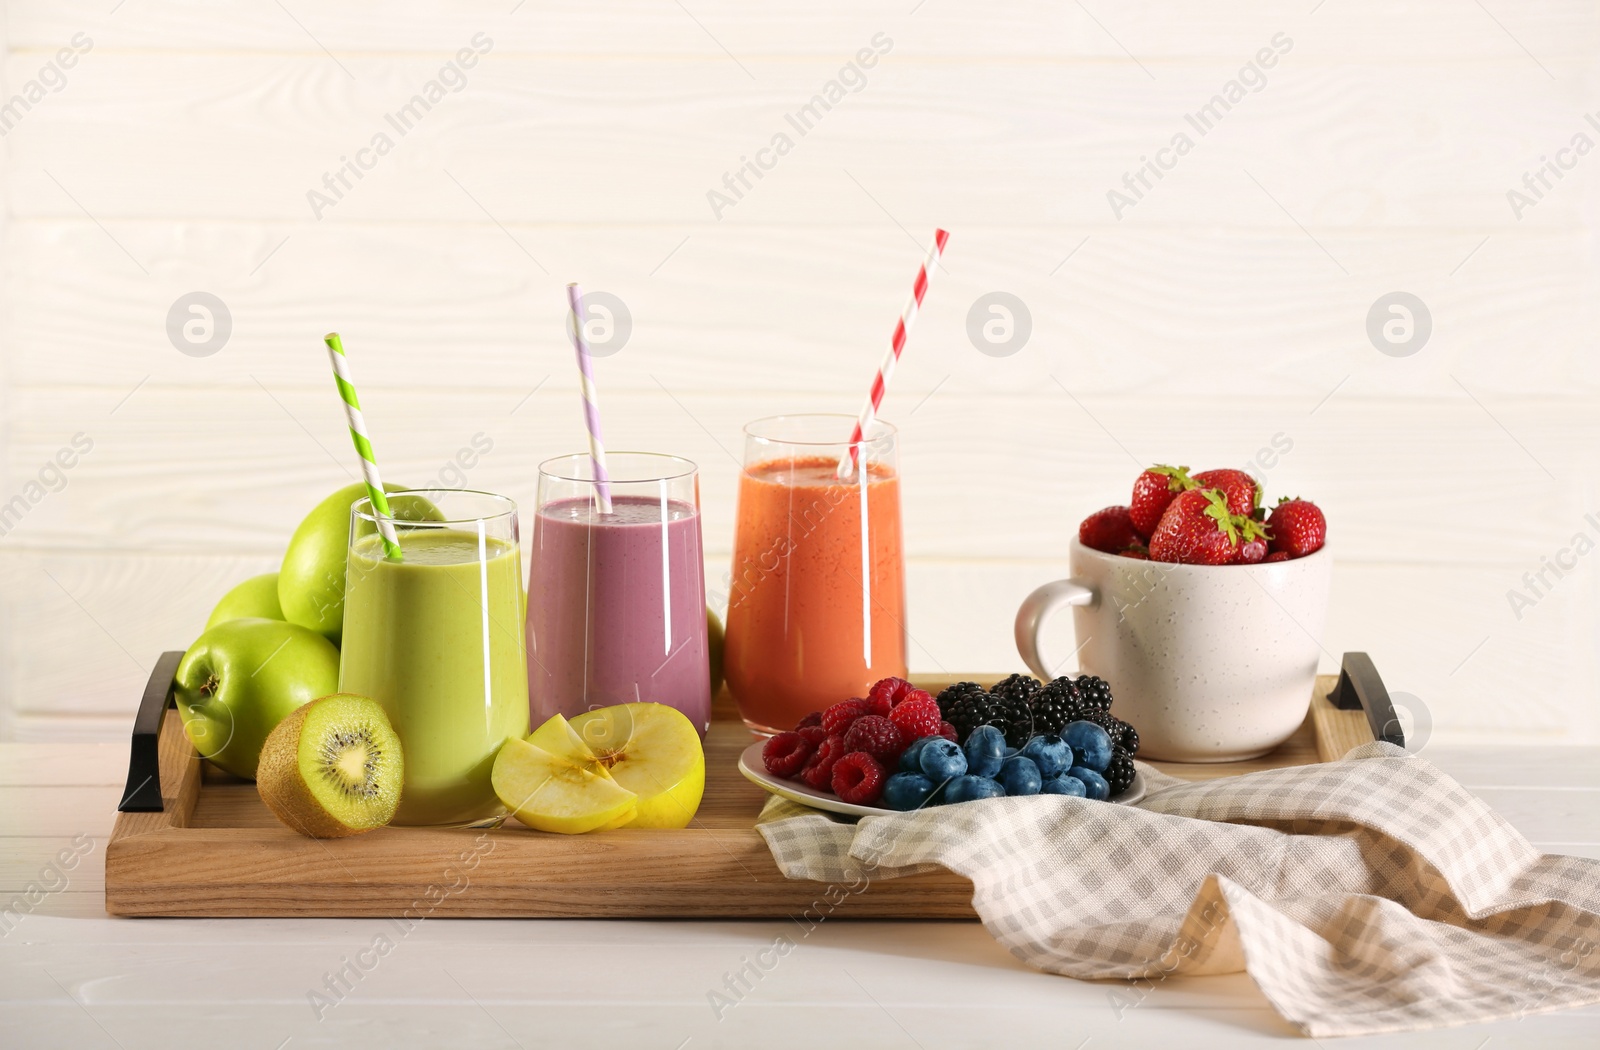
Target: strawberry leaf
[
  {"x": 1178, "y": 479},
  {"x": 1218, "y": 511},
  {"x": 1251, "y": 529}
]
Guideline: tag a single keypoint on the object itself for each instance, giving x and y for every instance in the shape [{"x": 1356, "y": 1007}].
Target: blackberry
[
  {"x": 1055, "y": 705},
  {"x": 1014, "y": 718},
  {"x": 1094, "y": 692},
  {"x": 1014, "y": 695},
  {"x": 1119, "y": 773},
  {"x": 1121, "y": 732},
  {"x": 953, "y": 695},
  {"x": 1016, "y": 687},
  {"x": 966, "y": 706}
]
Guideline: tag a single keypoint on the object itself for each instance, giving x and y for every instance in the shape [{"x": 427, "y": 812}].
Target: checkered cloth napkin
[{"x": 1372, "y": 894}]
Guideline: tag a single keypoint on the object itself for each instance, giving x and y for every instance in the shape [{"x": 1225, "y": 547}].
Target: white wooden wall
[{"x": 1225, "y": 308}]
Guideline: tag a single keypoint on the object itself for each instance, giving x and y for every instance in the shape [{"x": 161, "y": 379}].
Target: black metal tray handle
[
  {"x": 143, "y": 791},
  {"x": 1360, "y": 686}
]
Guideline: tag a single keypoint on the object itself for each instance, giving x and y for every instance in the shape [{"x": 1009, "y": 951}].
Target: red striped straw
[{"x": 881, "y": 382}]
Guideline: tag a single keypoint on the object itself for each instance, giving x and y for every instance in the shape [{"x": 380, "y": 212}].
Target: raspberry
[
  {"x": 914, "y": 694},
  {"x": 886, "y": 693},
  {"x": 815, "y": 734},
  {"x": 858, "y": 779},
  {"x": 878, "y": 705},
  {"x": 878, "y": 737},
  {"x": 917, "y": 718},
  {"x": 813, "y": 719},
  {"x": 818, "y": 771},
  {"x": 948, "y": 731},
  {"x": 785, "y": 754},
  {"x": 840, "y": 716}
]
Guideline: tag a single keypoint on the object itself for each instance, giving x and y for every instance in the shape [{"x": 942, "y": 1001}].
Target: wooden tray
[{"x": 190, "y": 840}]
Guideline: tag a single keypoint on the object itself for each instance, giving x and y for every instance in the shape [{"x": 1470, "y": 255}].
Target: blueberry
[
  {"x": 1019, "y": 776},
  {"x": 941, "y": 759},
  {"x": 910, "y": 758},
  {"x": 907, "y": 791},
  {"x": 1011, "y": 752},
  {"x": 968, "y": 787},
  {"x": 1093, "y": 782},
  {"x": 1050, "y": 753},
  {"x": 986, "y": 749},
  {"x": 1064, "y": 784},
  {"x": 1091, "y": 746}
]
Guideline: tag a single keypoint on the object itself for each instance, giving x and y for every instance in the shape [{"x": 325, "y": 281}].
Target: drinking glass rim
[
  {"x": 689, "y": 468},
  {"x": 509, "y": 508},
  {"x": 880, "y": 430}
]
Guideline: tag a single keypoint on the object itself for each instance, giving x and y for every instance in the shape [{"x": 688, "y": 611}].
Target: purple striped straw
[{"x": 591, "y": 400}]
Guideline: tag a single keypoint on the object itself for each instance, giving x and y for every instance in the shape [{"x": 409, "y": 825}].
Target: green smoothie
[{"x": 437, "y": 639}]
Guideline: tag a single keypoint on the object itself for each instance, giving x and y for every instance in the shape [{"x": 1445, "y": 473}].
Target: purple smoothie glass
[{"x": 616, "y": 601}]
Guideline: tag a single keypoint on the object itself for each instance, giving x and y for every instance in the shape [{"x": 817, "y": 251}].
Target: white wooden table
[{"x": 72, "y": 976}]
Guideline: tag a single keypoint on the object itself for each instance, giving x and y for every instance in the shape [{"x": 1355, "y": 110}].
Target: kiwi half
[{"x": 333, "y": 767}]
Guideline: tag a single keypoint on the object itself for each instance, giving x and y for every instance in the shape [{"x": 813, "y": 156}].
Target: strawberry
[
  {"x": 1298, "y": 527},
  {"x": 1108, "y": 530},
  {"x": 1152, "y": 491},
  {"x": 1197, "y": 529},
  {"x": 1253, "y": 540},
  {"x": 1276, "y": 556},
  {"x": 1137, "y": 553},
  {"x": 1244, "y": 495}
]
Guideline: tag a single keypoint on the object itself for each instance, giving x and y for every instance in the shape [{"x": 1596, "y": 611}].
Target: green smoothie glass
[{"x": 436, "y": 638}]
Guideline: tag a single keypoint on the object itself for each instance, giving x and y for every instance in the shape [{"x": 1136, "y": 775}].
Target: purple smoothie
[{"x": 617, "y": 609}]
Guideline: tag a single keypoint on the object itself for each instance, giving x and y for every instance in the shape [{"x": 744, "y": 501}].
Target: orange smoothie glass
[{"x": 816, "y": 606}]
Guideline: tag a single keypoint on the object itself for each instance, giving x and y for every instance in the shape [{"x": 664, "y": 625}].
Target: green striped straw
[{"x": 358, "y": 437}]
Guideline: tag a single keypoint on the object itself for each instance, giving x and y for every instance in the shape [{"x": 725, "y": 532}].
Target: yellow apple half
[
  {"x": 550, "y": 792},
  {"x": 559, "y": 738},
  {"x": 653, "y": 751}
]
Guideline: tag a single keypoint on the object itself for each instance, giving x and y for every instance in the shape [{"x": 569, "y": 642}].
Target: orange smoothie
[{"x": 816, "y": 610}]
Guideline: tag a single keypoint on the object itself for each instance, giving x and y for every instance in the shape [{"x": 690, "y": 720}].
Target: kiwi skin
[{"x": 284, "y": 790}]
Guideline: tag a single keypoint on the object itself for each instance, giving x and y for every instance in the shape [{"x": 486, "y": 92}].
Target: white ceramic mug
[{"x": 1210, "y": 663}]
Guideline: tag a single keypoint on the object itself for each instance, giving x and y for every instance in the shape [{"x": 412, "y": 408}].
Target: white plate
[{"x": 754, "y": 769}]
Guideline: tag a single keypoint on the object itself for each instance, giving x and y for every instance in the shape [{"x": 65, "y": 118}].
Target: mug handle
[{"x": 1036, "y": 609}]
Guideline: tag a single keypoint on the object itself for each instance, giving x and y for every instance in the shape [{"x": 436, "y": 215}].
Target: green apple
[
  {"x": 241, "y": 678},
  {"x": 311, "y": 581},
  {"x": 255, "y": 598},
  {"x": 714, "y": 649}
]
